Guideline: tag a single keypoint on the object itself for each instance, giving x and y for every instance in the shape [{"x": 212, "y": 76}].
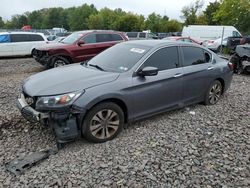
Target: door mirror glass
[{"x": 148, "y": 71}]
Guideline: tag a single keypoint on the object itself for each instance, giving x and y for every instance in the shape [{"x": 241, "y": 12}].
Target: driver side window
[
  {"x": 163, "y": 59},
  {"x": 89, "y": 39}
]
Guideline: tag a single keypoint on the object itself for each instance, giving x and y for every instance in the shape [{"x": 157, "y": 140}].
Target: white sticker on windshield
[{"x": 137, "y": 50}]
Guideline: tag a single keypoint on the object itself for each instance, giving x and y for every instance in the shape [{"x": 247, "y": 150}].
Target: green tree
[
  {"x": 131, "y": 22},
  {"x": 189, "y": 12},
  {"x": 234, "y": 12},
  {"x": 210, "y": 11},
  {"x": 153, "y": 22},
  {"x": 78, "y": 17},
  {"x": 1, "y": 22},
  {"x": 55, "y": 17},
  {"x": 35, "y": 19},
  {"x": 173, "y": 26}
]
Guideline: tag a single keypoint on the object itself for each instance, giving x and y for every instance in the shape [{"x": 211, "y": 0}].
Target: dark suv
[{"x": 77, "y": 47}]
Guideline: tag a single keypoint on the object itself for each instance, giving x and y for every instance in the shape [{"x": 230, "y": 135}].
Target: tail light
[{"x": 231, "y": 66}]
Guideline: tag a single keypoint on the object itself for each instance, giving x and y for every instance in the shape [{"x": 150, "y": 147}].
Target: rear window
[
  {"x": 4, "y": 38},
  {"x": 35, "y": 38},
  {"x": 132, "y": 34},
  {"x": 116, "y": 37}
]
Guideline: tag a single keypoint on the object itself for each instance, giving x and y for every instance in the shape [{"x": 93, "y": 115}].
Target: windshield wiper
[{"x": 96, "y": 66}]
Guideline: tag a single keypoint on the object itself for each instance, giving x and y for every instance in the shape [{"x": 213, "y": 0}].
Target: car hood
[
  {"x": 51, "y": 45},
  {"x": 65, "y": 80}
]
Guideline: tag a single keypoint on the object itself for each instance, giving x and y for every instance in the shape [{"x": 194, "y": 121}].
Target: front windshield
[
  {"x": 119, "y": 58},
  {"x": 71, "y": 38}
]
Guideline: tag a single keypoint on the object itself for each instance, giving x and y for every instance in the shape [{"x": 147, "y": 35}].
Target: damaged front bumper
[
  {"x": 42, "y": 57},
  {"x": 66, "y": 123}
]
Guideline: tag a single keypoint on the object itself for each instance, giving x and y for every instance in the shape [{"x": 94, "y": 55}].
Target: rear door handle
[
  {"x": 210, "y": 68},
  {"x": 177, "y": 75}
]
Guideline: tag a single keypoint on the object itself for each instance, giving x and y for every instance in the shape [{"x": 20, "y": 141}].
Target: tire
[
  {"x": 33, "y": 53},
  {"x": 213, "y": 93},
  {"x": 59, "y": 62},
  {"x": 103, "y": 122},
  {"x": 220, "y": 49}
]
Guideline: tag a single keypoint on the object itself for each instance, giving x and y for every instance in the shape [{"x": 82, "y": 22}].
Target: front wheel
[
  {"x": 59, "y": 62},
  {"x": 103, "y": 122},
  {"x": 214, "y": 93}
]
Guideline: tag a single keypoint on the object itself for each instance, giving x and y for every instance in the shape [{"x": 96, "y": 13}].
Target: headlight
[{"x": 57, "y": 101}]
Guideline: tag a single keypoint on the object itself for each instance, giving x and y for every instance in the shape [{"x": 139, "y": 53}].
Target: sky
[{"x": 172, "y": 8}]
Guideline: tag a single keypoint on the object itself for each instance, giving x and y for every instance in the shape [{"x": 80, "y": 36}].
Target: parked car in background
[
  {"x": 241, "y": 58},
  {"x": 209, "y": 32},
  {"x": 233, "y": 42},
  {"x": 183, "y": 39},
  {"x": 77, "y": 47},
  {"x": 216, "y": 45},
  {"x": 141, "y": 35},
  {"x": 20, "y": 43},
  {"x": 125, "y": 83},
  {"x": 163, "y": 35}
]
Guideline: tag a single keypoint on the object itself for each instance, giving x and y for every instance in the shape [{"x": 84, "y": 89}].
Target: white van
[
  {"x": 20, "y": 43},
  {"x": 209, "y": 32}
]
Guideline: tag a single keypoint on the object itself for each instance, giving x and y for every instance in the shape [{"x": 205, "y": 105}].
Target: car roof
[
  {"x": 158, "y": 43},
  {"x": 101, "y": 31},
  {"x": 20, "y": 32}
]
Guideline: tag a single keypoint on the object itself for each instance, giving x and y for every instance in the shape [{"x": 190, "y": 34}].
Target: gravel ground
[{"x": 199, "y": 146}]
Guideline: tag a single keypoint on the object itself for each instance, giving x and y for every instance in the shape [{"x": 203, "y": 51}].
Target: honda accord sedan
[{"x": 127, "y": 82}]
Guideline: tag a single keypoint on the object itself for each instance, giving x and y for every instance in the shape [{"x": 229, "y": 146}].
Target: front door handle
[
  {"x": 210, "y": 68},
  {"x": 177, "y": 75}
]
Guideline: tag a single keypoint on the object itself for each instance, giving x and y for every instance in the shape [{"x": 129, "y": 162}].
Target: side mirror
[
  {"x": 80, "y": 43},
  {"x": 148, "y": 71}
]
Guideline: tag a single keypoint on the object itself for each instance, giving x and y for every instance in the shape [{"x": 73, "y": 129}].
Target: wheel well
[
  {"x": 120, "y": 103},
  {"x": 222, "y": 83},
  {"x": 66, "y": 57}
]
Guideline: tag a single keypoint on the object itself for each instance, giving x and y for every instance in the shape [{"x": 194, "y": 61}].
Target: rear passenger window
[
  {"x": 19, "y": 37},
  {"x": 193, "y": 56},
  {"x": 163, "y": 59},
  {"x": 116, "y": 37},
  {"x": 35, "y": 38},
  {"x": 103, "y": 38},
  {"x": 89, "y": 39}
]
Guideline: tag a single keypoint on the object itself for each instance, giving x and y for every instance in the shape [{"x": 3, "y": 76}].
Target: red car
[
  {"x": 77, "y": 47},
  {"x": 184, "y": 39}
]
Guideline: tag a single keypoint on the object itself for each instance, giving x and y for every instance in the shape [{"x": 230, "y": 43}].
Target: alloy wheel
[
  {"x": 59, "y": 63},
  {"x": 104, "y": 124},
  {"x": 215, "y": 93}
]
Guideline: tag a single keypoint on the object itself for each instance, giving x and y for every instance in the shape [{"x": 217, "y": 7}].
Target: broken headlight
[{"x": 57, "y": 101}]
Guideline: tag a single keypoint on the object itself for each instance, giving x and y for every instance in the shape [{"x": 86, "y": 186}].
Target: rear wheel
[
  {"x": 214, "y": 93},
  {"x": 59, "y": 61},
  {"x": 103, "y": 122}
]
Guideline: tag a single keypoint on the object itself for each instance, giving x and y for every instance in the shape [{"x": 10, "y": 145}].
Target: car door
[
  {"x": 155, "y": 93},
  {"x": 21, "y": 44},
  {"x": 197, "y": 73},
  {"x": 87, "y": 50},
  {"x": 6, "y": 48}
]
